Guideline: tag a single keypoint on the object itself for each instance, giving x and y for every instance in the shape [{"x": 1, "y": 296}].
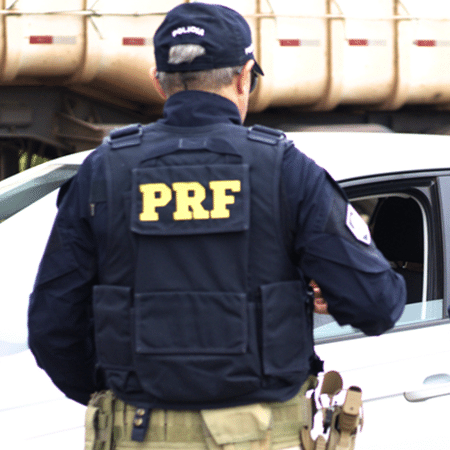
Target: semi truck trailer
[{"x": 71, "y": 70}]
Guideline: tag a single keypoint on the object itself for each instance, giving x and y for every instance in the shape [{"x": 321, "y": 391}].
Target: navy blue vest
[{"x": 200, "y": 304}]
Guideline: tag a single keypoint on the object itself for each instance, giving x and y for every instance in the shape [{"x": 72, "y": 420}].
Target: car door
[{"x": 405, "y": 373}]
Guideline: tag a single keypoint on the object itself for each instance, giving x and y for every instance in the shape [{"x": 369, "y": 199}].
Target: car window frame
[{"x": 443, "y": 186}]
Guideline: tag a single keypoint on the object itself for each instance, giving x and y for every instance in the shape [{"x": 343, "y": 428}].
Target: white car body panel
[{"x": 35, "y": 414}]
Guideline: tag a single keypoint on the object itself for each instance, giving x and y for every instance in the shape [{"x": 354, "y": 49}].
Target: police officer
[{"x": 175, "y": 281}]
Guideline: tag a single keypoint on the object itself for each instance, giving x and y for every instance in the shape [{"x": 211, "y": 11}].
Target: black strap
[{"x": 140, "y": 424}]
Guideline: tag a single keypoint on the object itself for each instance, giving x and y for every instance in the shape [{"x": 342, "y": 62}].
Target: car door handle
[{"x": 434, "y": 386}]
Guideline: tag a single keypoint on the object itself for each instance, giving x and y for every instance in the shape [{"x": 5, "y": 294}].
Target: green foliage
[{"x": 35, "y": 161}]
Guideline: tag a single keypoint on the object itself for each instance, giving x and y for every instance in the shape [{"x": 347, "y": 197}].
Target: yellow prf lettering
[
  {"x": 154, "y": 195},
  {"x": 189, "y": 197},
  {"x": 220, "y": 197}
]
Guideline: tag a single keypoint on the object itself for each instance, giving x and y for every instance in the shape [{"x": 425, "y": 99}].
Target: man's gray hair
[{"x": 211, "y": 80}]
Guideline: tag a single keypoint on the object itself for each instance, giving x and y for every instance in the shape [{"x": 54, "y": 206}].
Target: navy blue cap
[{"x": 222, "y": 32}]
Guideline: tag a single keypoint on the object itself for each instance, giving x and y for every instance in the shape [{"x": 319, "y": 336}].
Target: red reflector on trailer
[
  {"x": 133, "y": 41},
  {"x": 425, "y": 43},
  {"x": 41, "y": 39},
  {"x": 358, "y": 42},
  {"x": 290, "y": 42}
]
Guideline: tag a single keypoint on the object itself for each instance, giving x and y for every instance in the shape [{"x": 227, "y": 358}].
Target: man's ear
[
  {"x": 157, "y": 84},
  {"x": 244, "y": 77}
]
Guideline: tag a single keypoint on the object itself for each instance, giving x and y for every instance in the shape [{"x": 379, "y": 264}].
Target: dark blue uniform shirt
[{"x": 356, "y": 280}]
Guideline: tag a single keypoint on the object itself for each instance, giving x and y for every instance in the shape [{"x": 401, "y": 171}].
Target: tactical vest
[{"x": 199, "y": 304}]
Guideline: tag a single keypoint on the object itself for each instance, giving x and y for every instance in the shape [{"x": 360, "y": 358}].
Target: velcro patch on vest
[{"x": 177, "y": 200}]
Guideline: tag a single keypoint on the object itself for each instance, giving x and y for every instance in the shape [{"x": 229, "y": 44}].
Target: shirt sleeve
[
  {"x": 334, "y": 247},
  {"x": 60, "y": 323}
]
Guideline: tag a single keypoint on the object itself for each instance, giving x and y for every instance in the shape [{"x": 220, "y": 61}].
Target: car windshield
[{"x": 27, "y": 211}]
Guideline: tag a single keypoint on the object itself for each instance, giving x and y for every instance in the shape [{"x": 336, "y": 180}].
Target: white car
[{"x": 399, "y": 183}]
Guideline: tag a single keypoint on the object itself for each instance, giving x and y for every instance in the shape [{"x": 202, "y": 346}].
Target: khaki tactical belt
[{"x": 113, "y": 424}]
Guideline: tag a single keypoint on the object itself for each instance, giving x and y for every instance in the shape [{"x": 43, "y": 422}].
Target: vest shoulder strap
[
  {"x": 128, "y": 136},
  {"x": 266, "y": 135}
]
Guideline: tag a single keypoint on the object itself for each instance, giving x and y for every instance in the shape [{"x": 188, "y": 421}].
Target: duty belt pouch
[
  {"x": 238, "y": 428},
  {"x": 99, "y": 422}
]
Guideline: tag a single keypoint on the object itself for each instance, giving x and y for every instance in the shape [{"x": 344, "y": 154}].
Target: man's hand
[{"x": 320, "y": 305}]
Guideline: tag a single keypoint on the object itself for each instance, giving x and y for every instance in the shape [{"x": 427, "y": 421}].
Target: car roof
[{"x": 349, "y": 155}]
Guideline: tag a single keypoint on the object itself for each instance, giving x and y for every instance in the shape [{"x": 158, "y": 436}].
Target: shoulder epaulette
[
  {"x": 126, "y": 136},
  {"x": 267, "y": 135}
]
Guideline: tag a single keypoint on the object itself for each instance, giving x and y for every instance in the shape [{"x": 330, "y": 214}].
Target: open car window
[{"x": 401, "y": 227}]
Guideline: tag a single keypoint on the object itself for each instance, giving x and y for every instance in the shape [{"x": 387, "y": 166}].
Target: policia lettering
[{"x": 188, "y": 199}]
